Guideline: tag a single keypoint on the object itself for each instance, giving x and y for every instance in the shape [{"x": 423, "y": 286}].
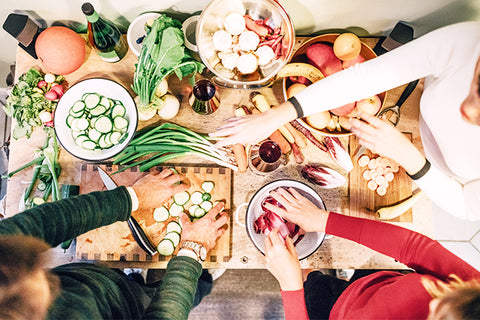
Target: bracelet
[
  {"x": 298, "y": 107},
  {"x": 421, "y": 172}
]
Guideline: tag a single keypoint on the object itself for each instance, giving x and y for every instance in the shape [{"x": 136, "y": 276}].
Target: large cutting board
[
  {"x": 115, "y": 242},
  {"x": 364, "y": 202}
]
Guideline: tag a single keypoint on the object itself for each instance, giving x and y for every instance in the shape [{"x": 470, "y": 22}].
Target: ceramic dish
[{"x": 136, "y": 30}]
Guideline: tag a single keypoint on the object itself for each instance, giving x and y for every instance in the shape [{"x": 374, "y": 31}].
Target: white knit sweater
[{"x": 446, "y": 58}]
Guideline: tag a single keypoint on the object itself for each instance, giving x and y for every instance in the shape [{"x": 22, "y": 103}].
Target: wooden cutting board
[
  {"x": 115, "y": 242},
  {"x": 364, "y": 202}
]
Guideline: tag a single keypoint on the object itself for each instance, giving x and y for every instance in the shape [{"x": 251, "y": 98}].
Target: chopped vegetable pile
[
  {"x": 97, "y": 122},
  {"x": 153, "y": 146},
  {"x": 163, "y": 52},
  {"x": 33, "y": 100}
]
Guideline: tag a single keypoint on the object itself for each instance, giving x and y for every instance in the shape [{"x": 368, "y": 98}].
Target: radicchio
[
  {"x": 269, "y": 220},
  {"x": 323, "y": 176},
  {"x": 338, "y": 153}
]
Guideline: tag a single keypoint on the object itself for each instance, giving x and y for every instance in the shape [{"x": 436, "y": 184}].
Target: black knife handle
[
  {"x": 407, "y": 92},
  {"x": 140, "y": 236}
]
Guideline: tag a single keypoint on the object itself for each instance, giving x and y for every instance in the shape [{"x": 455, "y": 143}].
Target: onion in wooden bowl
[{"x": 337, "y": 126}]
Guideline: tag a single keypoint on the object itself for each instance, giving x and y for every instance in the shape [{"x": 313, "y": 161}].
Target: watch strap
[{"x": 195, "y": 247}]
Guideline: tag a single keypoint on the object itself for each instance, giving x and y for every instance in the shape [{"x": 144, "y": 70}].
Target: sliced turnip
[
  {"x": 265, "y": 54},
  {"x": 234, "y": 23},
  {"x": 230, "y": 60},
  {"x": 247, "y": 63},
  {"x": 222, "y": 40},
  {"x": 248, "y": 41}
]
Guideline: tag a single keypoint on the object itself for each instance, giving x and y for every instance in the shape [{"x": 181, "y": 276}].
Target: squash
[{"x": 61, "y": 50}]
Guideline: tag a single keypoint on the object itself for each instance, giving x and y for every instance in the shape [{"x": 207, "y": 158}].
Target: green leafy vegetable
[{"x": 163, "y": 52}]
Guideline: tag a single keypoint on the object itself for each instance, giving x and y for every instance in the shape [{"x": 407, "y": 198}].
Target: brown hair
[
  {"x": 21, "y": 260},
  {"x": 457, "y": 299}
]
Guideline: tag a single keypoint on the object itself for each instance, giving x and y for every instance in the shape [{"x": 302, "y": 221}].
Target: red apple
[
  {"x": 370, "y": 105},
  {"x": 343, "y": 110},
  {"x": 322, "y": 57},
  {"x": 348, "y": 63},
  {"x": 300, "y": 79}
]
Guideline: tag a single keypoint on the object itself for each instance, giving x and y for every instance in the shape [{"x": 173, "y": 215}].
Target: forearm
[
  {"x": 62, "y": 220},
  {"x": 174, "y": 299},
  {"x": 294, "y": 305}
]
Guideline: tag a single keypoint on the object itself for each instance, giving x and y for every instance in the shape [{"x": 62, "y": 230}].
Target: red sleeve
[
  {"x": 294, "y": 305},
  {"x": 417, "y": 251}
]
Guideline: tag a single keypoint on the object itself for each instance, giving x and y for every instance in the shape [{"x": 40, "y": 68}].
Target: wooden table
[{"x": 334, "y": 252}]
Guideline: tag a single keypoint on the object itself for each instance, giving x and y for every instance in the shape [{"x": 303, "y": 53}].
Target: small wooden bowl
[{"x": 300, "y": 55}]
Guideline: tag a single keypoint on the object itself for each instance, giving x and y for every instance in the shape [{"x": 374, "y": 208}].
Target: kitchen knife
[{"x": 138, "y": 233}]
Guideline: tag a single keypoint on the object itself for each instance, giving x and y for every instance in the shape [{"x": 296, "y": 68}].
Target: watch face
[{"x": 203, "y": 253}]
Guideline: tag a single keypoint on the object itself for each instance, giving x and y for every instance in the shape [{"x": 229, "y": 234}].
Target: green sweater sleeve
[
  {"x": 55, "y": 222},
  {"x": 174, "y": 299}
]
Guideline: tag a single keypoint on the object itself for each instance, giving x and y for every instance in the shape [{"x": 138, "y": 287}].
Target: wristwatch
[{"x": 195, "y": 247}]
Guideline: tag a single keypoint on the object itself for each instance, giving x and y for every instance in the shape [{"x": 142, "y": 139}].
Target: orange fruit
[{"x": 347, "y": 46}]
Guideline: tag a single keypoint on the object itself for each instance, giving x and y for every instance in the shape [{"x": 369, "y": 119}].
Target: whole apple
[
  {"x": 343, "y": 110},
  {"x": 370, "y": 105}
]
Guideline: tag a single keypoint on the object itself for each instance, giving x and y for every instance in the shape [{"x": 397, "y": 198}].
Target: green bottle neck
[{"x": 93, "y": 18}]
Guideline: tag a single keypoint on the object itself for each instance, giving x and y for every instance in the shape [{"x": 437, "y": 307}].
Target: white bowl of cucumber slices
[{"x": 95, "y": 119}]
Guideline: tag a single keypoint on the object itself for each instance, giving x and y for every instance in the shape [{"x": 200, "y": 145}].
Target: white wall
[{"x": 374, "y": 16}]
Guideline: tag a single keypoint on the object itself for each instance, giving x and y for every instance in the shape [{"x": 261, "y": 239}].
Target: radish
[
  {"x": 49, "y": 78},
  {"x": 58, "y": 90},
  {"x": 51, "y": 95}
]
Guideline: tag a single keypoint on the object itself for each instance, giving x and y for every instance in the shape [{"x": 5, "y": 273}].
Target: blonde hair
[{"x": 457, "y": 299}]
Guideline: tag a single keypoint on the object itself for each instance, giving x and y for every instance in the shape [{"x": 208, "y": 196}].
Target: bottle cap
[{"x": 87, "y": 9}]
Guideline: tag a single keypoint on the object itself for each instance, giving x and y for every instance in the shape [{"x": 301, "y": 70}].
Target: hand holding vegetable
[
  {"x": 156, "y": 188},
  {"x": 282, "y": 261},
  {"x": 385, "y": 140},
  {"x": 207, "y": 229},
  {"x": 251, "y": 129},
  {"x": 299, "y": 210}
]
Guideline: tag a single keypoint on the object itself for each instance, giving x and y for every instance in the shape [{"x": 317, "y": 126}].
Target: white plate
[
  {"x": 107, "y": 88},
  {"x": 136, "y": 29},
  {"x": 310, "y": 242}
]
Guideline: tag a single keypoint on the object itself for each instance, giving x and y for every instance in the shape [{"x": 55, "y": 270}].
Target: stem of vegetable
[{"x": 32, "y": 183}]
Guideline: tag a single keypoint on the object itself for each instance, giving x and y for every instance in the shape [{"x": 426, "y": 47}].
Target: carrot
[
  {"x": 278, "y": 138},
  {"x": 240, "y": 156},
  {"x": 300, "y": 140}
]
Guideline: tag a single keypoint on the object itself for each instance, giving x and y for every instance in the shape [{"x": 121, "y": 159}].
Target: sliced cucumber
[
  {"x": 94, "y": 135},
  {"x": 91, "y": 100},
  {"x": 208, "y": 186},
  {"x": 206, "y": 205},
  {"x": 105, "y": 102},
  {"x": 79, "y": 140},
  {"x": 120, "y": 123},
  {"x": 192, "y": 209},
  {"x": 69, "y": 120},
  {"x": 199, "y": 212},
  {"x": 115, "y": 137},
  {"x": 166, "y": 247},
  {"x": 89, "y": 144},
  {"x": 98, "y": 110},
  {"x": 175, "y": 210},
  {"x": 181, "y": 198},
  {"x": 78, "y": 107},
  {"x": 197, "y": 197},
  {"x": 81, "y": 124},
  {"x": 174, "y": 237},
  {"x": 118, "y": 110},
  {"x": 174, "y": 226},
  {"x": 160, "y": 214},
  {"x": 206, "y": 196},
  {"x": 103, "y": 124}
]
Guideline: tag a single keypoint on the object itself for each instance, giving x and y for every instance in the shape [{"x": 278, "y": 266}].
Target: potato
[{"x": 319, "y": 120}]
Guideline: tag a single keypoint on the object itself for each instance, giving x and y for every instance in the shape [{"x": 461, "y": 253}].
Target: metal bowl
[
  {"x": 300, "y": 56},
  {"x": 310, "y": 242},
  {"x": 211, "y": 20}
]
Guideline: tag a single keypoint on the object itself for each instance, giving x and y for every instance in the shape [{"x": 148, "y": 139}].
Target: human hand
[
  {"x": 253, "y": 128},
  {"x": 156, "y": 188},
  {"x": 282, "y": 261},
  {"x": 298, "y": 210},
  {"x": 383, "y": 139},
  {"x": 207, "y": 229}
]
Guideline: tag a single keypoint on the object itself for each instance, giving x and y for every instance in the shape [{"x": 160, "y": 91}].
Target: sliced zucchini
[
  {"x": 197, "y": 197},
  {"x": 115, "y": 137},
  {"x": 76, "y": 114},
  {"x": 91, "y": 100},
  {"x": 98, "y": 110},
  {"x": 174, "y": 237},
  {"x": 69, "y": 120},
  {"x": 199, "y": 212},
  {"x": 192, "y": 209},
  {"x": 160, "y": 214},
  {"x": 175, "y": 210},
  {"x": 206, "y": 196},
  {"x": 78, "y": 107},
  {"x": 120, "y": 123},
  {"x": 102, "y": 142},
  {"x": 208, "y": 186},
  {"x": 105, "y": 102},
  {"x": 181, "y": 198},
  {"x": 79, "y": 140},
  {"x": 206, "y": 205},
  {"x": 174, "y": 226},
  {"x": 89, "y": 144},
  {"x": 81, "y": 124},
  {"x": 118, "y": 110},
  {"x": 103, "y": 124},
  {"x": 166, "y": 247},
  {"x": 94, "y": 135}
]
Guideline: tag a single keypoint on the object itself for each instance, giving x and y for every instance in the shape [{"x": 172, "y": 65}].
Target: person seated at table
[
  {"x": 89, "y": 291},
  {"x": 449, "y": 59},
  {"x": 441, "y": 285}
]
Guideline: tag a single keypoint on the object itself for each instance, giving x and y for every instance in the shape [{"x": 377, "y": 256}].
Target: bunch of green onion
[{"x": 154, "y": 146}]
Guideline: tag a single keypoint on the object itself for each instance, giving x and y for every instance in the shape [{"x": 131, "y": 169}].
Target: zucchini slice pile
[{"x": 97, "y": 122}]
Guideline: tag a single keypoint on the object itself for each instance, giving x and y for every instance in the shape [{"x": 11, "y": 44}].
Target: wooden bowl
[{"x": 300, "y": 55}]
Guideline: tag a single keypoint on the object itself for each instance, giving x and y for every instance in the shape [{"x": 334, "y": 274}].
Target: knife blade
[{"x": 138, "y": 233}]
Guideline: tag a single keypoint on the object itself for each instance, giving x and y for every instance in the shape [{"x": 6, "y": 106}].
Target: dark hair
[{"x": 21, "y": 258}]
